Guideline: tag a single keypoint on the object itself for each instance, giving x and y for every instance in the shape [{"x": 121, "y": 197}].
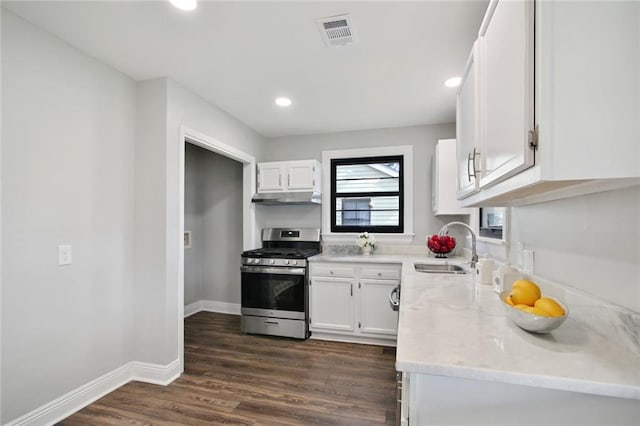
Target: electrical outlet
[
  {"x": 64, "y": 255},
  {"x": 528, "y": 261}
]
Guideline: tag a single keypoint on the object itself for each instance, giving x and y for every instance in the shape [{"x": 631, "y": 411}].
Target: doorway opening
[{"x": 231, "y": 177}]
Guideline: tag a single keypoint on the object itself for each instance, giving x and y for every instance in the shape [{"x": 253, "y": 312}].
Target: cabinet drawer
[
  {"x": 381, "y": 272},
  {"x": 332, "y": 270}
]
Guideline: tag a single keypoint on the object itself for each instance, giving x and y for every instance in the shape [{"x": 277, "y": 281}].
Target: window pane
[
  {"x": 367, "y": 194},
  {"x": 491, "y": 222},
  {"x": 368, "y": 211},
  {"x": 371, "y": 177}
]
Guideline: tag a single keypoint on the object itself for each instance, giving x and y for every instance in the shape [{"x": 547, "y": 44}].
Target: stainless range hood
[{"x": 281, "y": 198}]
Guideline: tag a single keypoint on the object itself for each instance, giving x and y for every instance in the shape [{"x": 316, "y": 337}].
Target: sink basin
[{"x": 431, "y": 268}]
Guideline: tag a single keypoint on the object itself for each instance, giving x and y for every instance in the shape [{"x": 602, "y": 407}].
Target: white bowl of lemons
[{"x": 530, "y": 311}]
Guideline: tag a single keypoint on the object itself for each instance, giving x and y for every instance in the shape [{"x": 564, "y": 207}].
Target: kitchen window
[{"x": 368, "y": 189}]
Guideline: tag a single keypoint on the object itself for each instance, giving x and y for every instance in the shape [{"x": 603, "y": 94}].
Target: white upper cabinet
[
  {"x": 271, "y": 176},
  {"x": 585, "y": 74},
  {"x": 303, "y": 175},
  {"x": 468, "y": 126},
  {"x": 443, "y": 189},
  {"x": 506, "y": 102}
]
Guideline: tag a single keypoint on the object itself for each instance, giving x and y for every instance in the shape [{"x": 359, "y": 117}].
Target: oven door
[{"x": 274, "y": 292}]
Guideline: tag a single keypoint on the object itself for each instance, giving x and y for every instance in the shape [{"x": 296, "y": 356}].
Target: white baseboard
[
  {"x": 155, "y": 373},
  {"x": 61, "y": 408},
  {"x": 212, "y": 306},
  {"x": 192, "y": 308},
  {"x": 345, "y": 338}
]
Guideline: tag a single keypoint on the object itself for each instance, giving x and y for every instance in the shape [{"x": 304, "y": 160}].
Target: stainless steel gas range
[{"x": 275, "y": 283}]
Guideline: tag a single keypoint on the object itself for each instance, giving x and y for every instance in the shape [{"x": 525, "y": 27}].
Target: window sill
[
  {"x": 350, "y": 237},
  {"x": 494, "y": 241}
]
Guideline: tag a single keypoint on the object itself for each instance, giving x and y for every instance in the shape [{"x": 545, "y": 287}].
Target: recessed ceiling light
[
  {"x": 283, "y": 101},
  {"x": 453, "y": 82},
  {"x": 184, "y": 4}
]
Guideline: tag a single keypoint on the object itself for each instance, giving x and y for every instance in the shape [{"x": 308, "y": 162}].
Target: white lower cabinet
[
  {"x": 436, "y": 400},
  {"x": 350, "y": 302},
  {"x": 376, "y": 315},
  {"x": 332, "y": 306}
]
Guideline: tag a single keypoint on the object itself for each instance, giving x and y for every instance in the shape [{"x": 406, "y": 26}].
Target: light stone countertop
[{"x": 450, "y": 326}]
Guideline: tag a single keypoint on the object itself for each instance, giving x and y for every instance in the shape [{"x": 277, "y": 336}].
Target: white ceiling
[{"x": 241, "y": 55}]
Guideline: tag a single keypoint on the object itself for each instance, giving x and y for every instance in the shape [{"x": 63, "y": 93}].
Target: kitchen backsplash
[{"x": 352, "y": 249}]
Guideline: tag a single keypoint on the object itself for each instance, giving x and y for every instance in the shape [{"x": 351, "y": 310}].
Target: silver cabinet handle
[
  {"x": 352, "y": 289},
  {"x": 471, "y": 158},
  {"x": 394, "y": 298}
]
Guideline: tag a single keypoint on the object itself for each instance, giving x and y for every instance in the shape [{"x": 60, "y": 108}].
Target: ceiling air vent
[{"x": 337, "y": 31}]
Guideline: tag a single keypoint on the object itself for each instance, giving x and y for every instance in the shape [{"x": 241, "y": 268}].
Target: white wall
[
  {"x": 67, "y": 171},
  {"x": 158, "y": 297},
  {"x": 91, "y": 159},
  {"x": 423, "y": 139},
  {"x": 591, "y": 243},
  {"x": 213, "y": 202},
  {"x": 150, "y": 269}
]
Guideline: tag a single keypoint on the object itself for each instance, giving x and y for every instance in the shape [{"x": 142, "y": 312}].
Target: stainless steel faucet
[{"x": 474, "y": 253}]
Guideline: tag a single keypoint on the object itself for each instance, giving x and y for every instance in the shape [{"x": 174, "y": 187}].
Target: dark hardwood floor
[{"x": 238, "y": 379}]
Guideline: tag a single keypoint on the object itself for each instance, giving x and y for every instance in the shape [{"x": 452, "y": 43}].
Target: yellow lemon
[
  {"x": 538, "y": 311},
  {"x": 526, "y": 308},
  {"x": 550, "y": 306},
  {"x": 524, "y": 296},
  {"x": 530, "y": 285},
  {"x": 522, "y": 307},
  {"x": 508, "y": 301},
  {"x": 525, "y": 292}
]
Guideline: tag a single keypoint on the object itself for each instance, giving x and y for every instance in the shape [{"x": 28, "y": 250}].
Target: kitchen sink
[{"x": 431, "y": 268}]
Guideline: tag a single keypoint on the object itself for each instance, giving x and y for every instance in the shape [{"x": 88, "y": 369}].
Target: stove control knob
[
  {"x": 254, "y": 260},
  {"x": 272, "y": 261},
  {"x": 286, "y": 262},
  {"x": 294, "y": 262}
]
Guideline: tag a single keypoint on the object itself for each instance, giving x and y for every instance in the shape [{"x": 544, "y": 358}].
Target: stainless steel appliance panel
[
  {"x": 274, "y": 327},
  {"x": 287, "y": 234},
  {"x": 276, "y": 291},
  {"x": 273, "y": 314}
]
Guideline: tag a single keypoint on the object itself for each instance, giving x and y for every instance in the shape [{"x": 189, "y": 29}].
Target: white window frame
[
  {"x": 349, "y": 237},
  {"x": 492, "y": 247}
]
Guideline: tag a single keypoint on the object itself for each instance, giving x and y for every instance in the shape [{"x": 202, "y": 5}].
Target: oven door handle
[{"x": 270, "y": 270}]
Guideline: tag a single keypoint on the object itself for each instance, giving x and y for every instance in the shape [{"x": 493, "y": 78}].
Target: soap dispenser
[{"x": 484, "y": 271}]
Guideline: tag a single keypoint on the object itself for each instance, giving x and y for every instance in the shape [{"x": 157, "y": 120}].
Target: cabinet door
[
  {"x": 271, "y": 177},
  {"x": 444, "y": 180},
  {"x": 468, "y": 127},
  {"x": 301, "y": 175},
  {"x": 506, "y": 40},
  {"x": 332, "y": 304},
  {"x": 376, "y": 315}
]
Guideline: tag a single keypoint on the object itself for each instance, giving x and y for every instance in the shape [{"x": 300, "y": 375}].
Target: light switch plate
[
  {"x": 64, "y": 255},
  {"x": 520, "y": 254},
  {"x": 528, "y": 261}
]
